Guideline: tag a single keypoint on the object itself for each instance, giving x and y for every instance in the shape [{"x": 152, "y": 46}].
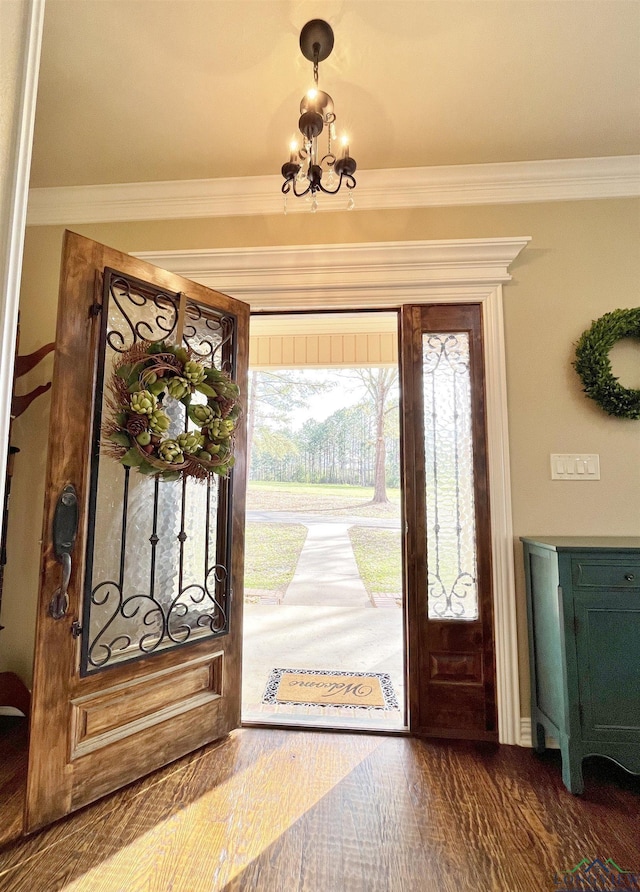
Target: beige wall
[
  {"x": 20, "y": 31},
  {"x": 583, "y": 261},
  {"x": 13, "y": 39}
]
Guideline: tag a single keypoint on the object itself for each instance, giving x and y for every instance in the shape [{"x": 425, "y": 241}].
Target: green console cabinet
[{"x": 583, "y": 603}]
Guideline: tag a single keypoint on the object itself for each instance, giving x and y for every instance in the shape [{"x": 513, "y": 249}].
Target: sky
[{"x": 345, "y": 393}]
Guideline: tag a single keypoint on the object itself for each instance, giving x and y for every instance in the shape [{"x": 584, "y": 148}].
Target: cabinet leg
[
  {"x": 539, "y": 738},
  {"x": 571, "y": 768}
]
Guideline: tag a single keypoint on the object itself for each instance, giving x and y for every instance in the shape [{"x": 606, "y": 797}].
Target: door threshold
[{"x": 311, "y": 723}]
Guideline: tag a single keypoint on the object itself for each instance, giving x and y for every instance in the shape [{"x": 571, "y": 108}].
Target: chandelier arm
[
  {"x": 300, "y": 194},
  {"x": 329, "y": 191},
  {"x": 290, "y": 186},
  {"x": 337, "y": 189}
]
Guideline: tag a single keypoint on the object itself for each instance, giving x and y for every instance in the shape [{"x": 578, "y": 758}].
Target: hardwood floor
[
  {"x": 13, "y": 775},
  {"x": 288, "y": 811}
]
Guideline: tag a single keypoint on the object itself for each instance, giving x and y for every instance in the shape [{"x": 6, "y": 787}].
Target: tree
[
  {"x": 274, "y": 395},
  {"x": 379, "y": 383},
  {"x": 275, "y": 454}
]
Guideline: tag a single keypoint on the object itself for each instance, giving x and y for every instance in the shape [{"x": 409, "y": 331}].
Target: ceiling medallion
[{"x": 308, "y": 172}]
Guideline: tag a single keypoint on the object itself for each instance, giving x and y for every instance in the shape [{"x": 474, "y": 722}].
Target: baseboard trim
[{"x": 526, "y": 738}]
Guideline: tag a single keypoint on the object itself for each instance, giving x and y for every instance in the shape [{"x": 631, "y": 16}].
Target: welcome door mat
[{"x": 311, "y": 687}]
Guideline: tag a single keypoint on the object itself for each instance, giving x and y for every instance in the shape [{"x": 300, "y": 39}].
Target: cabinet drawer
[{"x": 600, "y": 574}]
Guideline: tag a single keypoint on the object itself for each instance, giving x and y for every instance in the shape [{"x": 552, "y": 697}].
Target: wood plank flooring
[
  {"x": 300, "y": 811},
  {"x": 13, "y": 775}
]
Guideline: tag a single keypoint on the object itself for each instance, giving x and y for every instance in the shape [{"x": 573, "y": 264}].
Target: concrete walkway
[
  {"x": 327, "y": 639},
  {"x": 324, "y": 622},
  {"x": 326, "y": 574}
]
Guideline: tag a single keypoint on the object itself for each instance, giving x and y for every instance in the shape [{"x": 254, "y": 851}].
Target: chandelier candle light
[{"x": 303, "y": 173}]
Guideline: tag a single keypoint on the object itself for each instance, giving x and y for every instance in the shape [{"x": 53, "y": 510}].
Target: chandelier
[{"x": 308, "y": 171}]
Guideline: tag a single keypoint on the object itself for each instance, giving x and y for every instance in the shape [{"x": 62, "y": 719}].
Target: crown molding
[
  {"x": 369, "y": 275},
  {"x": 513, "y": 182}
]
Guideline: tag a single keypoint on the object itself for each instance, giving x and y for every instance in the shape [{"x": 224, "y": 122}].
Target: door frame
[
  {"x": 328, "y": 724},
  {"x": 389, "y": 275}
]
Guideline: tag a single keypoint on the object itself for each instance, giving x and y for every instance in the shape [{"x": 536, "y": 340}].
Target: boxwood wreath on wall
[
  {"x": 593, "y": 365},
  {"x": 136, "y": 430}
]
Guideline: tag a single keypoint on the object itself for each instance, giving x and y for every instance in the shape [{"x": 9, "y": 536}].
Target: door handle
[
  {"x": 65, "y": 528},
  {"x": 60, "y": 601}
]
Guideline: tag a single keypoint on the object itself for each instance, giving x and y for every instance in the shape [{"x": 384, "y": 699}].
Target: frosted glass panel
[
  {"x": 451, "y": 530},
  {"x": 157, "y": 551}
]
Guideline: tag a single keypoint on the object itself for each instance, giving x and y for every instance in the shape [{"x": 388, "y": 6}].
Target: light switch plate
[{"x": 575, "y": 467}]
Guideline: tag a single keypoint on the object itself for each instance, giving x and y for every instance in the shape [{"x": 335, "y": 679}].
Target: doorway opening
[{"x": 324, "y": 615}]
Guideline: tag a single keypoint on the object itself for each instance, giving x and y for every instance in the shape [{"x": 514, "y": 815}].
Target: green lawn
[
  {"x": 272, "y": 551},
  {"x": 379, "y": 560},
  {"x": 319, "y": 497}
]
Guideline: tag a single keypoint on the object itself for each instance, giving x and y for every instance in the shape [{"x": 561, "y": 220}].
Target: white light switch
[{"x": 575, "y": 467}]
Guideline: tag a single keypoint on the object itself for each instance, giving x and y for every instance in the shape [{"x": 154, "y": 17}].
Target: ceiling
[{"x": 144, "y": 90}]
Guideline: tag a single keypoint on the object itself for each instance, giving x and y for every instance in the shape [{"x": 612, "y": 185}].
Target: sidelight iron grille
[
  {"x": 451, "y": 528},
  {"x": 158, "y": 552}
]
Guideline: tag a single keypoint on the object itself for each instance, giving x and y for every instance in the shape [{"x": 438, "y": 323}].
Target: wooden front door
[
  {"x": 448, "y": 541},
  {"x": 141, "y": 662}
]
